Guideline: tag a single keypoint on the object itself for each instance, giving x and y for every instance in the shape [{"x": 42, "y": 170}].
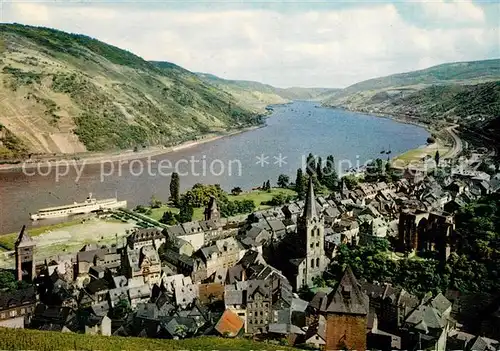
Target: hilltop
[
  {"x": 464, "y": 93},
  {"x": 471, "y": 72},
  {"x": 260, "y": 95},
  {"x": 69, "y": 93}
]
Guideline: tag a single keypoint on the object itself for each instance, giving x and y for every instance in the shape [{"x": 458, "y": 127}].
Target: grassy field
[
  {"x": 7, "y": 241},
  {"x": 415, "y": 156},
  {"x": 23, "y": 339},
  {"x": 260, "y": 196}
]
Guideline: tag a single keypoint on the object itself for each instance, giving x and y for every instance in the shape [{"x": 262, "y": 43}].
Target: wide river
[{"x": 245, "y": 160}]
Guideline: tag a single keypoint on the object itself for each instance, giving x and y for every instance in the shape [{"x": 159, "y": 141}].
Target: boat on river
[{"x": 88, "y": 206}]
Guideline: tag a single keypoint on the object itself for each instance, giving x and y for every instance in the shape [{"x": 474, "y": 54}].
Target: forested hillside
[{"x": 68, "y": 93}]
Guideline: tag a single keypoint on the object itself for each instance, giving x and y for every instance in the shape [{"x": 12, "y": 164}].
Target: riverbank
[
  {"x": 417, "y": 157},
  {"x": 126, "y": 155}
]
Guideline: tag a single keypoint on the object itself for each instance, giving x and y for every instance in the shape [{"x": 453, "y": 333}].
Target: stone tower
[
  {"x": 25, "y": 262},
  {"x": 346, "y": 312},
  {"x": 311, "y": 230},
  {"x": 212, "y": 210}
]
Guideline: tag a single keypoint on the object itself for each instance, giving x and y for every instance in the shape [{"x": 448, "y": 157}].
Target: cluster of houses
[{"x": 211, "y": 278}]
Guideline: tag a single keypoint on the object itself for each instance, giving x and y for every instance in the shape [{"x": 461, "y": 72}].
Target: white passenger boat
[{"x": 88, "y": 206}]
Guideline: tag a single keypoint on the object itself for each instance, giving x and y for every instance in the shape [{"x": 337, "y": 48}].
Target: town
[{"x": 276, "y": 274}]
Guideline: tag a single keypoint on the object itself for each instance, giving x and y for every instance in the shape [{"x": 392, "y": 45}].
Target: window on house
[
  {"x": 317, "y": 262},
  {"x": 13, "y": 313},
  {"x": 312, "y": 263}
]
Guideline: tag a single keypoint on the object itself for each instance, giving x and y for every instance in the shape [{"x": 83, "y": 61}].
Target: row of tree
[{"x": 324, "y": 174}]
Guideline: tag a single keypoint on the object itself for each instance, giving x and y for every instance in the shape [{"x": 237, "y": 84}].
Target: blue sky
[{"x": 283, "y": 43}]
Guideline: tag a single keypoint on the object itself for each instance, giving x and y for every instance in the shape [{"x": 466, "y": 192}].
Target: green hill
[
  {"x": 259, "y": 95},
  {"x": 24, "y": 339},
  {"x": 69, "y": 93},
  {"x": 448, "y": 73},
  {"x": 463, "y": 92}
]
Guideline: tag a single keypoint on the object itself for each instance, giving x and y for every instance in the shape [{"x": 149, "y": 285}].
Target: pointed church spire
[
  {"x": 310, "y": 205},
  {"x": 24, "y": 239},
  {"x": 212, "y": 210}
]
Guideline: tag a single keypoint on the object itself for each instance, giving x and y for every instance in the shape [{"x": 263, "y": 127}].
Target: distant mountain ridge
[
  {"x": 458, "y": 72},
  {"x": 260, "y": 94},
  {"x": 69, "y": 93},
  {"x": 467, "y": 93}
]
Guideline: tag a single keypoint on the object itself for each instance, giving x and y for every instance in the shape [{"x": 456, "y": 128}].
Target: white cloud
[
  {"x": 312, "y": 48},
  {"x": 457, "y": 11}
]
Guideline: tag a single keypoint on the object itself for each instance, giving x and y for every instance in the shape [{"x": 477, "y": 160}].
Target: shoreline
[
  {"x": 433, "y": 132},
  {"x": 126, "y": 155}
]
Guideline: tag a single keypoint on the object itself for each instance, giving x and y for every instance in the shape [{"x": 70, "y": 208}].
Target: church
[{"x": 301, "y": 255}]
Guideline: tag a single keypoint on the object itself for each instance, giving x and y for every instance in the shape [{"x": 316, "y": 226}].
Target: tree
[
  {"x": 436, "y": 158},
  {"x": 283, "y": 181},
  {"x": 310, "y": 165},
  {"x": 168, "y": 218},
  {"x": 7, "y": 281},
  {"x": 305, "y": 293},
  {"x": 319, "y": 170},
  {"x": 185, "y": 211},
  {"x": 329, "y": 175},
  {"x": 175, "y": 188},
  {"x": 350, "y": 181},
  {"x": 180, "y": 331},
  {"x": 200, "y": 194},
  {"x": 236, "y": 191},
  {"x": 121, "y": 310},
  {"x": 154, "y": 202},
  {"x": 300, "y": 183},
  {"x": 268, "y": 185}
]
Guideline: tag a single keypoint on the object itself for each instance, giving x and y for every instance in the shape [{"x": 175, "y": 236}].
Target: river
[{"x": 245, "y": 160}]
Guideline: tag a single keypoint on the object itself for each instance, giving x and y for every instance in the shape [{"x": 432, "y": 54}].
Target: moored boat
[{"x": 88, "y": 206}]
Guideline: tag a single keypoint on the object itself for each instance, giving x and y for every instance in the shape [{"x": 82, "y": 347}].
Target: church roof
[
  {"x": 24, "y": 240},
  {"x": 310, "y": 205},
  {"x": 347, "y": 297},
  {"x": 212, "y": 206}
]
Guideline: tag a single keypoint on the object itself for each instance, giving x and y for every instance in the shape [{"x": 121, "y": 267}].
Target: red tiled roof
[{"x": 229, "y": 324}]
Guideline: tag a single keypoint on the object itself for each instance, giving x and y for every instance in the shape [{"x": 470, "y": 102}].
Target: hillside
[
  {"x": 260, "y": 95},
  {"x": 253, "y": 94},
  {"x": 24, "y": 339},
  {"x": 68, "y": 93},
  {"x": 466, "y": 93},
  {"x": 472, "y": 72}
]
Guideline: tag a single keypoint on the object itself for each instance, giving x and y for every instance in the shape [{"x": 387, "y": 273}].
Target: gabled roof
[
  {"x": 24, "y": 240},
  {"x": 347, "y": 297},
  {"x": 441, "y": 303},
  {"x": 229, "y": 324},
  {"x": 426, "y": 316}
]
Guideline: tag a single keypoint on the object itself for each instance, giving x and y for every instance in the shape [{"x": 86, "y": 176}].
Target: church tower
[
  {"x": 311, "y": 230},
  {"x": 212, "y": 210},
  {"x": 25, "y": 262}
]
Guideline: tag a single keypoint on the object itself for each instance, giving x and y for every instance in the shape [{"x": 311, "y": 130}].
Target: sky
[{"x": 283, "y": 43}]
